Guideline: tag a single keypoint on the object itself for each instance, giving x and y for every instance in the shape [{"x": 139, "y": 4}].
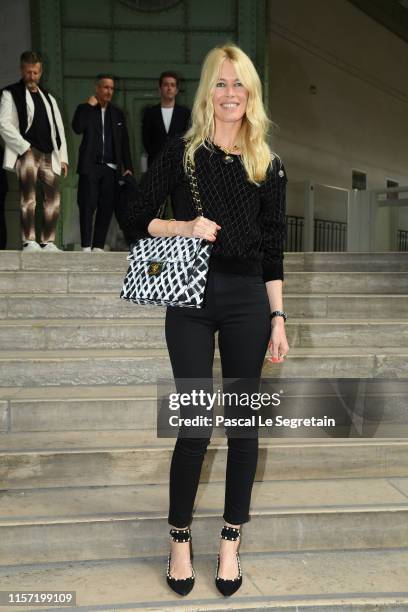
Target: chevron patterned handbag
[{"x": 169, "y": 271}]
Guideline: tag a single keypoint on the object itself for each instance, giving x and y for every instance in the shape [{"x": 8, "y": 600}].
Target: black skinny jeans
[{"x": 238, "y": 307}]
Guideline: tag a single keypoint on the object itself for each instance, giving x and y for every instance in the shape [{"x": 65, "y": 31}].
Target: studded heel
[
  {"x": 225, "y": 586},
  {"x": 181, "y": 586}
]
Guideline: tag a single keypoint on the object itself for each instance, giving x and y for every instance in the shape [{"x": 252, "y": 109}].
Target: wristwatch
[{"x": 279, "y": 313}]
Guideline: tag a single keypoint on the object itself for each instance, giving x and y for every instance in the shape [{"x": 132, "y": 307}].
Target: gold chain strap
[{"x": 194, "y": 187}]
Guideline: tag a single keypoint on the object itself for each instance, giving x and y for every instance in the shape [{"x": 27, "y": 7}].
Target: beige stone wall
[{"x": 358, "y": 116}]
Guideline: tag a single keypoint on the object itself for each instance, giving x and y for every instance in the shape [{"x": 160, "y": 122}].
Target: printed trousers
[
  {"x": 31, "y": 167},
  {"x": 237, "y": 306}
]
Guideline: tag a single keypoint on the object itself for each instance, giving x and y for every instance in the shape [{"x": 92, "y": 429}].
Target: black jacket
[
  {"x": 88, "y": 121},
  {"x": 154, "y": 133}
]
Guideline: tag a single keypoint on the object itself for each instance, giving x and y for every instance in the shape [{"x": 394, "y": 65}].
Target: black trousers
[
  {"x": 238, "y": 307},
  {"x": 3, "y": 226},
  {"x": 96, "y": 191}
]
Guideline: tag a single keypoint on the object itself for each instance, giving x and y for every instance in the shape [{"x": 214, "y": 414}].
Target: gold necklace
[{"x": 228, "y": 159}]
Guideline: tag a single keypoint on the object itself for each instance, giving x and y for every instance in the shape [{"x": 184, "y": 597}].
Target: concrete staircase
[{"x": 84, "y": 479}]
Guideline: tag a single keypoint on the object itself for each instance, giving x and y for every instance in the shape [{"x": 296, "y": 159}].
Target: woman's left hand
[{"x": 278, "y": 345}]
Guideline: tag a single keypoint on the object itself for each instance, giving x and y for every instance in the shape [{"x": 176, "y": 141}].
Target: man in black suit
[
  {"x": 165, "y": 119},
  {"x": 104, "y": 156}
]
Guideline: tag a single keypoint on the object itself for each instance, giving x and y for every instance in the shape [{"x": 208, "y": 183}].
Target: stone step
[
  {"x": 330, "y": 261},
  {"x": 134, "y": 366},
  {"x": 307, "y": 581},
  {"x": 53, "y": 334},
  {"x": 40, "y": 306},
  {"x": 44, "y": 334},
  {"x": 78, "y": 524},
  {"x": 78, "y": 367},
  {"x": 73, "y": 283},
  {"x": 63, "y": 262},
  {"x": 126, "y": 457},
  {"x": 103, "y": 306},
  {"x": 109, "y": 408},
  {"x": 77, "y": 408}
]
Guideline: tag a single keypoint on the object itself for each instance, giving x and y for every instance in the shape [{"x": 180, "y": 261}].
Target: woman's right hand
[{"x": 201, "y": 227}]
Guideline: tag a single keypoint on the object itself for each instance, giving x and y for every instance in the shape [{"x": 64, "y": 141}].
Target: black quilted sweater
[{"x": 252, "y": 218}]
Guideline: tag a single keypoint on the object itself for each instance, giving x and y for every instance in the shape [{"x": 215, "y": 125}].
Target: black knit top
[{"x": 252, "y": 218}]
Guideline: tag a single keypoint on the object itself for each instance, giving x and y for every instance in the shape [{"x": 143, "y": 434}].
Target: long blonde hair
[{"x": 255, "y": 153}]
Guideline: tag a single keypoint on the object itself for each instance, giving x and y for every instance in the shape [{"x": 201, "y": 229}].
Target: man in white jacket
[{"x": 35, "y": 148}]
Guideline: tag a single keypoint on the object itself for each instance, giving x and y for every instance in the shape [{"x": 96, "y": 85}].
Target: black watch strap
[{"x": 279, "y": 313}]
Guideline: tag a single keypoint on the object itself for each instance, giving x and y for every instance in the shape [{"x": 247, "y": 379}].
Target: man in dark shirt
[
  {"x": 166, "y": 119},
  {"x": 35, "y": 148},
  {"x": 39, "y": 134},
  {"x": 104, "y": 156}
]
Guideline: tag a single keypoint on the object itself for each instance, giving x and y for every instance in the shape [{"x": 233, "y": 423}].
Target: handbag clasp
[{"x": 155, "y": 268}]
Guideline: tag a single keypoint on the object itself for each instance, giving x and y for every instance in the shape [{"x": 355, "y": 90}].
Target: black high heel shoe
[
  {"x": 181, "y": 586},
  {"x": 225, "y": 586}
]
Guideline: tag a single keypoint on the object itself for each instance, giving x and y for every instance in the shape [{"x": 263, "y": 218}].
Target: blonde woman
[{"x": 242, "y": 188}]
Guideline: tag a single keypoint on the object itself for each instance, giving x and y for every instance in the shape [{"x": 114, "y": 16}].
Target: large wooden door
[{"x": 135, "y": 40}]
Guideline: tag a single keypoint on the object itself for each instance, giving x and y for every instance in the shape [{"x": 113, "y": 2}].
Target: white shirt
[
  {"x": 113, "y": 166},
  {"x": 167, "y": 114}
]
